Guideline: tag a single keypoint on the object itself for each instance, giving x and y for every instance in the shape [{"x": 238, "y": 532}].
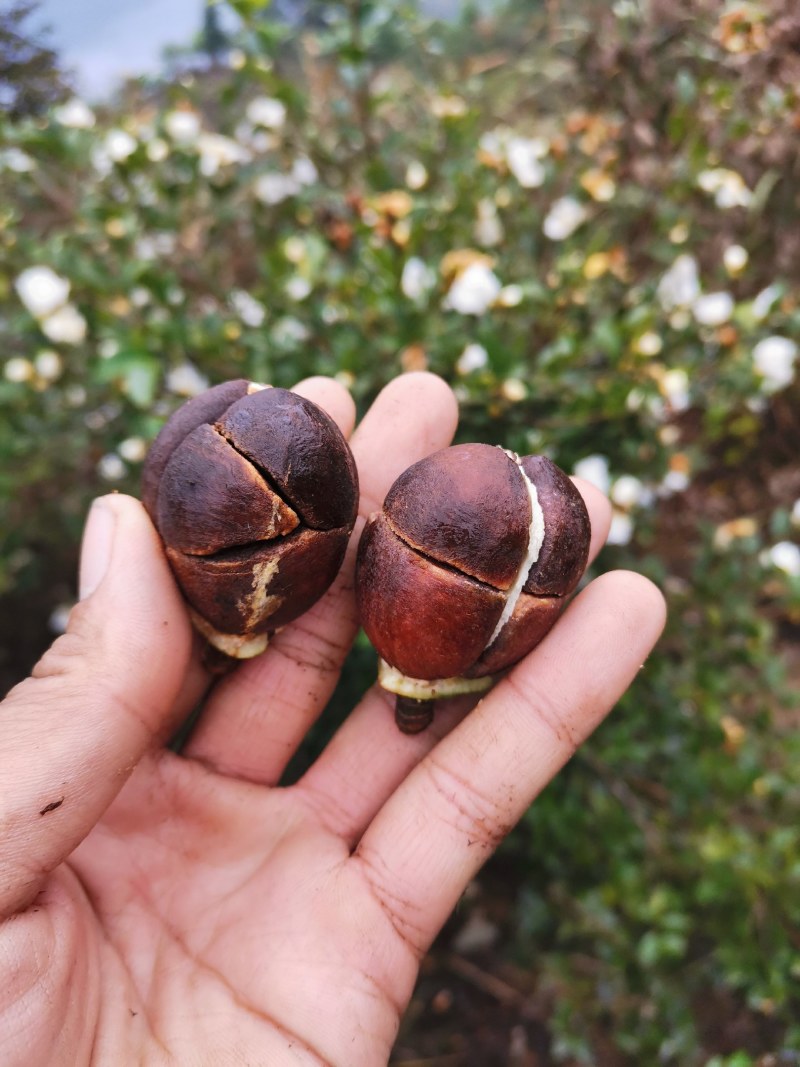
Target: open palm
[{"x": 164, "y": 908}]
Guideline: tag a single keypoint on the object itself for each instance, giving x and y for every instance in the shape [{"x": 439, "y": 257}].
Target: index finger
[{"x": 454, "y": 809}]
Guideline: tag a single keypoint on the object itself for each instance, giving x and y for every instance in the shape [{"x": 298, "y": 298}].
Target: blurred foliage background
[{"x": 584, "y": 215}]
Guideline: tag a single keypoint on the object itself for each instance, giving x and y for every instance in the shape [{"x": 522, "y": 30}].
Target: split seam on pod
[
  {"x": 254, "y": 492},
  {"x": 466, "y": 568}
]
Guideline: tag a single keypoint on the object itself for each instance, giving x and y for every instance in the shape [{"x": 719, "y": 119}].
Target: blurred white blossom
[
  {"x": 41, "y": 290},
  {"x": 304, "y": 171},
  {"x": 474, "y": 290},
  {"x": 119, "y": 145},
  {"x": 182, "y": 126},
  {"x": 416, "y": 175},
  {"x": 621, "y": 530},
  {"x": 785, "y": 555},
  {"x": 274, "y": 187},
  {"x": 75, "y": 113},
  {"x": 59, "y": 618},
  {"x": 524, "y": 156},
  {"x": 675, "y": 388},
  {"x": 18, "y": 370},
  {"x": 648, "y": 344},
  {"x": 290, "y": 331},
  {"x": 251, "y": 311},
  {"x": 111, "y": 468},
  {"x": 298, "y": 287},
  {"x": 679, "y": 286},
  {"x": 133, "y": 449},
  {"x": 48, "y": 365},
  {"x": 726, "y": 186},
  {"x": 14, "y": 159},
  {"x": 417, "y": 278},
  {"x": 186, "y": 380},
  {"x": 629, "y": 491},
  {"x": 594, "y": 469},
  {"x": 157, "y": 150},
  {"x": 735, "y": 259},
  {"x": 564, "y": 218},
  {"x": 474, "y": 357},
  {"x": 510, "y": 296},
  {"x": 266, "y": 111},
  {"x": 674, "y": 481},
  {"x": 217, "y": 151},
  {"x": 488, "y": 227},
  {"x": 514, "y": 390},
  {"x": 64, "y": 326},
  {"x": 765, "y": 301},
  {"x": 713, "y": 309},
  {"x": 774, "y": 359}
]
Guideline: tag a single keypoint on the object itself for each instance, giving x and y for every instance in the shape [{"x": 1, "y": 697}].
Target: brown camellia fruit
[
  {"x": 254, "y": 492},
  {"x": 465, "y": 570}
]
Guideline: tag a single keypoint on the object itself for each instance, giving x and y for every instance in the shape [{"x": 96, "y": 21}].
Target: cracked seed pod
[
  {"x": 254, "y": 493},
  {"x": 465, "y": 569}
]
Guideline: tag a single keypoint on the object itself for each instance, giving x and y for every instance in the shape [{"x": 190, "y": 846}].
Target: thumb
[{"x": 105, "y": 691}]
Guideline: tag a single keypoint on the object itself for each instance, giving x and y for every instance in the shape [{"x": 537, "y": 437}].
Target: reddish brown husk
[
  {"x": 254, "y": 494},
  {"x": 435, "y": 565}
]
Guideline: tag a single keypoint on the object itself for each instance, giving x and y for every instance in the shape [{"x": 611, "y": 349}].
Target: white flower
[
  {"x": 474, "y": 357},
  {"x": 417, "y": 278},
  {"x": 75, "y": 113},
  {"x": 157, "y": 150},
  {"x": 680, "y": 285},
  {"x": 510, "y": 296},
  {"x": 674, "y": 482},
  {"x": 564, "y": 218},
  {"x": 290, "y": 331},
  {"x": 274, "y": 188},
  {"x": 119, "y": 145},
  {"x": 648, "y": 344},
  {"x": 182, "y": 126},
  {"x": 186, "y": 380},
  {"x": 735, "y": 259},
  {"x": 266, "y": 111},
  {"x": 251, "y": 311},
  {"x": 217, "y": 151},
  {"x": 628, "y": 491},
  {"x": 303, "y": 171},
  {"x": 675, "y": 387},
  {"x": 774, "y": 359},
  {"x": 474, "y": 290},
  {"x": 785, "y": 555},
  {"x": 65, "y": 326},
  {"x": 41, "y": 290},
  {"x": 16, "y": 160},
  {"x": 108, "y": 348},
  {"x": 726, "y": 186},
  {"x": 514, "y": 389},
  {"x": 298, "y": 287},
  {"x": 48, "y": 365},
  {"x": 621, "y": 530},
  {"x": 713, "y": 309},
  {"x": 764, "y": 301},
  {"x": 488, "y": 227},
  {"x": 133, "y": 449},
  {"x": 111, "y": 468},
  {"x": 594, "y": 469},
  {"x": 59, "y": 618},
  {"x": 18, "y": 370},
  {"x": 523, "y": 155},
  {"x": 416, "y": 175}
]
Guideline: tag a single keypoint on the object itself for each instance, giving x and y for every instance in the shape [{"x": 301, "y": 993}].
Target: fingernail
[{"x": 98, "y": 537}]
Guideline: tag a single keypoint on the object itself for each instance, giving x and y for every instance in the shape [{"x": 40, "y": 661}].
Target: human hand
[{"x": 162, "y": 908}]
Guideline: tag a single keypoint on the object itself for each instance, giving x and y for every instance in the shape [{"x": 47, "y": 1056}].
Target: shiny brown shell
[
  {"x": 254, "y": 492},
  {"x": 437, "y": 565}
]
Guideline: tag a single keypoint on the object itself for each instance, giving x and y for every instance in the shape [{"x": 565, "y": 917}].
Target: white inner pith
[{"x": 535, "y": 539}]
